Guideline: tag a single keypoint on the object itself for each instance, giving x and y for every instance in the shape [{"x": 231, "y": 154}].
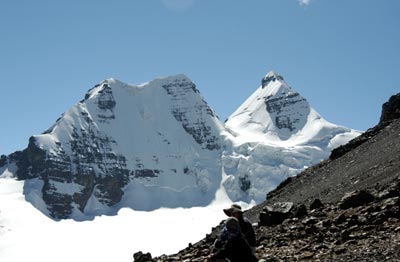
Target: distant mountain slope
[{"x": 159, "y": 144}]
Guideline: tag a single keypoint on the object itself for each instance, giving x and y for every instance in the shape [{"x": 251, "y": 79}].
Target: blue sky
[{"x": 343, "y": 56}]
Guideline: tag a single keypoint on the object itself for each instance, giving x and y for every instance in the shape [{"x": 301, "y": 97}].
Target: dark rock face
[
  {"x": 3, "y": 160},
  {"x": 61, "y": 170},
  {"x": 106, "y": 100},
  {"x": 31, "y": 162},
  {"x": 58, "y": 170},
  {"x": 244, "y": 183},
  {"x": 142, "y": 173},
  {"x": 316, "y": 204},
  {"x": 391, "y": 109},
  {"x": 106, "y": 103},
  {"x": 282, "y": 107},
  {"x": 300, "y": 211},
  {"x": 199, "y": 130},
  {"x": 140, "y": 257},
  {"x": 272, "y": 78},
  {"x": 91, "y": 148}
]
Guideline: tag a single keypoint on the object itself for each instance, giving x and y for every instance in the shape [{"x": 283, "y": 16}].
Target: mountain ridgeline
[{"x": 160, "y": 144}]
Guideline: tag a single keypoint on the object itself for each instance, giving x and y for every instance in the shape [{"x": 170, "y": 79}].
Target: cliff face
[{"x": 391, "y": 109}]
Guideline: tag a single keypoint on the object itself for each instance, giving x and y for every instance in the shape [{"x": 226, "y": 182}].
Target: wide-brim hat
[{"x": 232, "y": 210}]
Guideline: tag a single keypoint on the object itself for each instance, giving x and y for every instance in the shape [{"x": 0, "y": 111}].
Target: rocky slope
[
  {"x": 361, "y": 227},
  {"x": 346, "y": 208}
]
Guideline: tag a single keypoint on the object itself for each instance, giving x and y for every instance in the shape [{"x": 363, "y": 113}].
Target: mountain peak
[
  {"x": 179, "y": 77},
  {"x": 172, "y": 78},
  {"x": 272, "y": 76},
  {"x": 111, "y": 82},
  {"x": 125, "y": 143},
  {"x": 273, "y": 73},
  {"x": 277, "y": 114},
  {"x": 159, "y": 80}
]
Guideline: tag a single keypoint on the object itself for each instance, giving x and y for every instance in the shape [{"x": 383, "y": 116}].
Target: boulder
[
  {"x": 316, "y": 204},
  {"x": 356, "y": 199},
  {"x": 300, "y": 211},
  {"x": 283, "y": 207},
  {"x": 276, "y": 214},
  {"x": 141, "y": 257}
]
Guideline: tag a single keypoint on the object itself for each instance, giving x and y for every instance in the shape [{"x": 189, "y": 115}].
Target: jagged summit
[
  {"x": 160, "y": 81},
  {"x": 156, "y": 83},
  {"x": 177, "y": 77},
  {"x": 274, "y": 110},
  {"x": 271, "y": 77}
]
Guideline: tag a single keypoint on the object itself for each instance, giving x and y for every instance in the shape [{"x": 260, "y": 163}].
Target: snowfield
[{"x": 28, "y": 235}]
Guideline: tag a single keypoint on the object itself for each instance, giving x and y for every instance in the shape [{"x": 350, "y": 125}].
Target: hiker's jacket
[
  {"x": 247, "y": 231},
  {"x": 235, "y": 249}
]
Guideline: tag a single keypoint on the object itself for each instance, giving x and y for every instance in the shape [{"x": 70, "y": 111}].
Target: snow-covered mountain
[
  {"x": 145, "y": 147},
  {"x": 160, "y": 145},
  {"x": 273, "y": 135}
]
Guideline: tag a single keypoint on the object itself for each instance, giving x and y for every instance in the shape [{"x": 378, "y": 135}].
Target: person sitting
[
  {"x": 245, "y": 225},
  {"x": 231, "y": 245}
]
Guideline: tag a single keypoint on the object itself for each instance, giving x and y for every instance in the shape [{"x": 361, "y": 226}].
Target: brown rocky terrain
[{"x": 346, "y": 208}]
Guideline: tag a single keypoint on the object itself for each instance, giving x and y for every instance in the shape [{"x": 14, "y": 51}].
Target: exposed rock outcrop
[{"x": 391, "y": 109}]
